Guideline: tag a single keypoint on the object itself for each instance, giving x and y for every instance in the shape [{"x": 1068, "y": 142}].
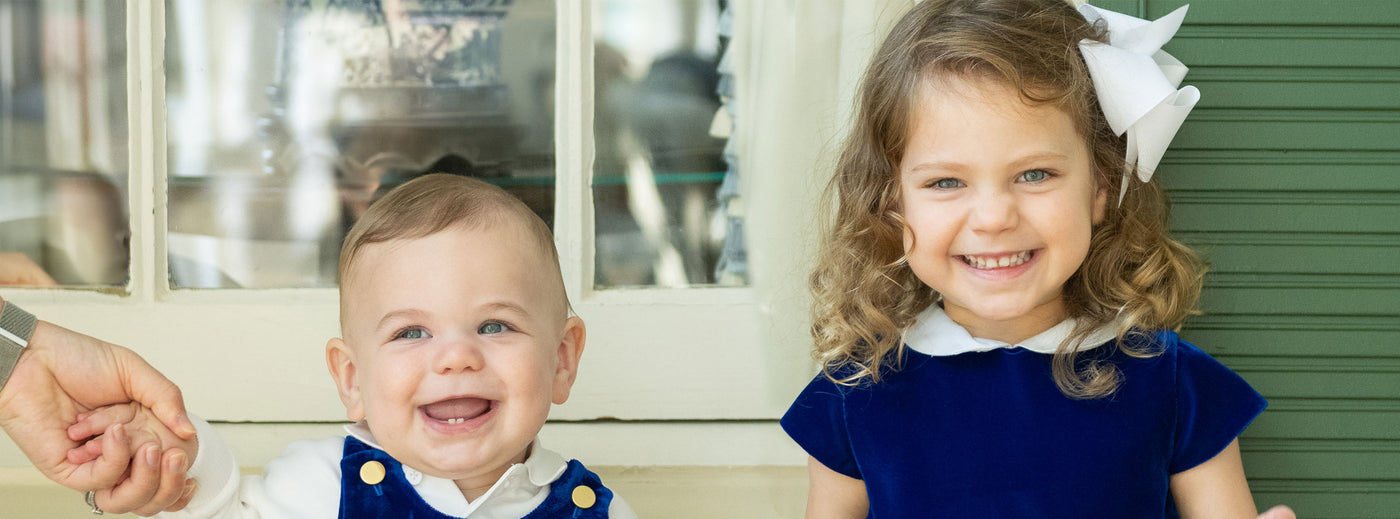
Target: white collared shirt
[
  {"x": 937, "y": 335},
  {"x": 304, "y": 482}
]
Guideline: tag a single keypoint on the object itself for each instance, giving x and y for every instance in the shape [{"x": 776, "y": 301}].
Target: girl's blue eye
[
  {"x": 492, "y": 328},
  {"x": 412, "y": 333},
  {"x": 1034, "y": 175},
  {"x": 947, "y": 183}
]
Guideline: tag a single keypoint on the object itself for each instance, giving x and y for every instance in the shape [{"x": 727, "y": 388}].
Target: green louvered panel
[{"x": 1287, "y": 179}]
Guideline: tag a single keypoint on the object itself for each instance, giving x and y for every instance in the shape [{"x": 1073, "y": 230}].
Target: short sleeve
[
  {"x": 1213, "y": 407},
  {"x": 817, "y": 422}
]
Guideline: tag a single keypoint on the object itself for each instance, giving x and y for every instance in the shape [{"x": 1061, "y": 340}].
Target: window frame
[{"x": 702, "y": 353}]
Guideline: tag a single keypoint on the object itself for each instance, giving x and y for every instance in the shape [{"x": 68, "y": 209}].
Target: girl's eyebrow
[
  {"x": 1041, "y": 156},
  {"x": 1026, "y": 160}
]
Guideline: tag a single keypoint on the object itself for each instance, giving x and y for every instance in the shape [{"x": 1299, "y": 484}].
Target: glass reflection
[
  {"x": 665, "y": 184},
  {"x": 63, "y": 151},
  {"x": 286, "y": 119}
]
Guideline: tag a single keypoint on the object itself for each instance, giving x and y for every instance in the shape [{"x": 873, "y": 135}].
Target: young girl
[{"x": 993, "y": 320}]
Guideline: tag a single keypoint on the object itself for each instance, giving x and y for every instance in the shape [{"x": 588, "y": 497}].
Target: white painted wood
[
  {"x": 665, "y": 354},
  {"x": 594, "y": 443}
]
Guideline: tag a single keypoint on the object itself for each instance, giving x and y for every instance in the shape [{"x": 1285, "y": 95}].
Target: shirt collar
[
  {"x": 935, "y": 334},
  {"x": 523, "y": 486}
]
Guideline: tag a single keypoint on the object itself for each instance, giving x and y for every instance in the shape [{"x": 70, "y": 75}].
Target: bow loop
[{"x": 1137, "y": 82}]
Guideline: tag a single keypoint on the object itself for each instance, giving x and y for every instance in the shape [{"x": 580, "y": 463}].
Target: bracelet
[{"x": 16, "y": 327}]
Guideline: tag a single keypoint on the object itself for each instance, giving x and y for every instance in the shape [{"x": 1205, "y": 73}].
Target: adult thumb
[{"x": 148, "y": 386}]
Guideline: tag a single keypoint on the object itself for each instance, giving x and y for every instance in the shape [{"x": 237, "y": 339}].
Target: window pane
[
  {"x": 665, "y": 186},
  {"x": 287, "y": 118},
  {"x": 63, "y": 134}
]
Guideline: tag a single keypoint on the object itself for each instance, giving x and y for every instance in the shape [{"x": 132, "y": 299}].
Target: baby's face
[{"x": 455, "y": 345}]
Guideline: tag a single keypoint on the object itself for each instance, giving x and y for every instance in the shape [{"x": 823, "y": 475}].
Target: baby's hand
[
  {"x": 142, "y": 430},
  {"x": 153, "y": 454}
]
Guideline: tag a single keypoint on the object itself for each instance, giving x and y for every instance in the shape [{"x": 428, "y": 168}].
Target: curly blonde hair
[{"x": 864, "y": 291}]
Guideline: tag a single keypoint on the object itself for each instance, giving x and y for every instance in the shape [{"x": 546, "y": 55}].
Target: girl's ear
[
  {"x": 1100, "y": 205},
  {"x": 340, "y": 360},
  {"x": 569, "y": 351}
]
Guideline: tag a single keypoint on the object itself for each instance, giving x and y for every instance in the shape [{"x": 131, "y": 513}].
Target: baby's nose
[{"x": 458, "y": 356}]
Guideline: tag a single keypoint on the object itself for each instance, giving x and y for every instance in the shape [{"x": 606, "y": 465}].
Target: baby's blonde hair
[
  {"x": 431, "y": 203},
  {"x": 864, "y": 293}
]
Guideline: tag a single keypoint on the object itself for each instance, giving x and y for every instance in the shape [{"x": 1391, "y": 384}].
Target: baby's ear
[
  {"x": 340, "y": 360},
  {"x": 570, "y": 350}
]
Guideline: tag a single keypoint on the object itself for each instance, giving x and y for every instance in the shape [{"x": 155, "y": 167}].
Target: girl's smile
[{"x": 999, "y": 202}]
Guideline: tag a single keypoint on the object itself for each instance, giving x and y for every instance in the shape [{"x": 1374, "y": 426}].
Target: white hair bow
[{"x": 1137, "y": 84}]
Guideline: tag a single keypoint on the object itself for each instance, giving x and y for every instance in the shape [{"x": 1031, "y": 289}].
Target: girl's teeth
[{"x": 1002, "y": 262}]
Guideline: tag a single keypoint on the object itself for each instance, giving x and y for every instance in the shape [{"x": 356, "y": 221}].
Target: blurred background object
[
  {"x": 661, "y": 128},
  {"x": 287, "y": 118},
  {"x": 63, "y": 138}
]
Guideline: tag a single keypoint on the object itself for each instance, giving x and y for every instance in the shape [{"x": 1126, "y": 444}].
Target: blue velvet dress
[{"x": 988, "y": 433}]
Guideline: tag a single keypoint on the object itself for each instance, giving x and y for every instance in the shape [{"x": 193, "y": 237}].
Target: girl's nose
[
  {"x": 458, "y": 356},
  {"x": 994, "y": 211}
]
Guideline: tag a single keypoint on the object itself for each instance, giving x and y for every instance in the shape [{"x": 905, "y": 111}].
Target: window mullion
[
  {"x": 573, "y": 118},
  {"x": 146, "y": 116}
]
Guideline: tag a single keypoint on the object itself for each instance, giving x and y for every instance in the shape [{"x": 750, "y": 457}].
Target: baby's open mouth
[
  {"x": 998, "y": 261},
  {"x": 457, "y": 410}
]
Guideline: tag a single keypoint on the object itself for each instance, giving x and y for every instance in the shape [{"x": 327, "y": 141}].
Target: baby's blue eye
[
  {"x": 413, "y": 333},
  {"x": 947, "y": 183},
  {"x": 1034, "y": 175},
  {"x": 492, "y": 328}
]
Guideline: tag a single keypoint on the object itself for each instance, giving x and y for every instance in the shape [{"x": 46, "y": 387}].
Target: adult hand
[
  {"x": 18, "y": 269},
  {"x": 63, "y": 373}
]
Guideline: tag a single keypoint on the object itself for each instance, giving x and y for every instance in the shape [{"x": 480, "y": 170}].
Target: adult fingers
[
  {"x": 172, "y": 484},
  {"x": 138, "y": 489},
  {"x": 191, "y": 486},
  {"x": 149, "y": 387}
]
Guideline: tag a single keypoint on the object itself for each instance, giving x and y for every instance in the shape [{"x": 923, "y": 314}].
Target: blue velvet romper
[
  {"x": 394, "y": 497},
  {"x": 989, "y": 434}
]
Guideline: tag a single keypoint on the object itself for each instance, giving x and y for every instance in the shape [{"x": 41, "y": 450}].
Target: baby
[{"x": 457, "y": 337}]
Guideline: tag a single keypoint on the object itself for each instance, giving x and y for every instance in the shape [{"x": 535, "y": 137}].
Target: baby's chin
[{"x": 458, "y": 462}]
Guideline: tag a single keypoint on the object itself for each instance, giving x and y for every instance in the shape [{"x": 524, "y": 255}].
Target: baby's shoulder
[{"x": 304, "y": 460}]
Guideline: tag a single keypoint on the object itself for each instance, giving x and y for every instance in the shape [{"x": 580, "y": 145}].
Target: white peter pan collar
[
  {"x": 519, "y": 491},
  {"x": 935, "y": 334}
]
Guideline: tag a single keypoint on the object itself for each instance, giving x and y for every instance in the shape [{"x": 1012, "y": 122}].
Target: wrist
[{"x": 16, "y": 329}]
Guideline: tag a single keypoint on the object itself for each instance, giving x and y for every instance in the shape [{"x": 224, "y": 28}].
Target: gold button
[
  {"x": 372, "y": 472},
  {"x": 584, "y": 497}
]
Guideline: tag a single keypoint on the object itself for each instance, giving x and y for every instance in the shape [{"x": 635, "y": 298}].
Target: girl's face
[{"x": 1000, "y": 201}]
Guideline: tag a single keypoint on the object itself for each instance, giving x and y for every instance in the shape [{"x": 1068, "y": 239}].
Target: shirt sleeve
[
  {"x": 303, "y": 483},
  {"x": 618, "y": 509},
  {"x": 817, "y": 422},
  {"x": 1213, "y": 406}
]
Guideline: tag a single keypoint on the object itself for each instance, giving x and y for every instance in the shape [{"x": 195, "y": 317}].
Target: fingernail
[
  {"x": 190, "y": 486},
  {"x": 152, "y": 455},
  {"x": 177, "y": 462},
  {"x": 186, "y": 427}
]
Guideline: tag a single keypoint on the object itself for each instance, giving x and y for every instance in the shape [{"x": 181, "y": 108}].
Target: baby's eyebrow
[
  {"x": 508, "y": 306},
  {"x": 405, "y": 314}
]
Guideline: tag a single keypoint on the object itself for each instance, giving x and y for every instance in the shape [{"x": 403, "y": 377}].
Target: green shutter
[{"x": 1287, "y": 178}]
